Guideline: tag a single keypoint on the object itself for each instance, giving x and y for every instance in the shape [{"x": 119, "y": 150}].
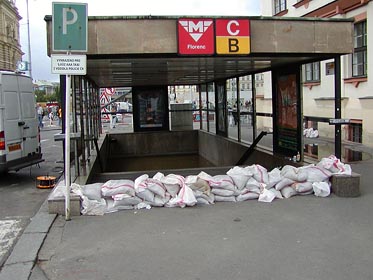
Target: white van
[{"x": 19, "y": 131}]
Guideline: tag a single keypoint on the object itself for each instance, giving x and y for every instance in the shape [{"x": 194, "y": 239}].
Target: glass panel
[
  {"x": 211, "y": 108},
  {"x": 204, "y": 107},
  {"x": 232, "y": 109},
  {"x": 265, "y": 124},
  {"x": 246, "y": 119}
]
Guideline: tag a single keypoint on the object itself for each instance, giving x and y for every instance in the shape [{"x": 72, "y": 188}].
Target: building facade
[
  {"x": 10, "y": 48},
  {"x": 318, "y": 77}
]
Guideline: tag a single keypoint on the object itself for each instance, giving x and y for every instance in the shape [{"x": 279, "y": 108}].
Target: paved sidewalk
[{"x": 297, "y": 238}]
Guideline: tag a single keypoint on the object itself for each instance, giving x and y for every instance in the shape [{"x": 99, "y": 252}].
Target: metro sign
[
  {"x": 196, "y": 36},
  {"x": 233, "y": 36}
]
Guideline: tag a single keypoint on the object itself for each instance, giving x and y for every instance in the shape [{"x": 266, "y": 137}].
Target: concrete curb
[{"x": 21, "y": 261}]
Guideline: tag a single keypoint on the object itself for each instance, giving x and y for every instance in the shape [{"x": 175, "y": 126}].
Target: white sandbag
[
  {"x": 253, "y": 185},
  {"x": 111, "y": 209},
  {"x": 306, "y": 193},
  {"x": 160, "y": 201},
  {"x": 302, "y": 187},
  {"x": 316, "y": 173},
  {"x": 146, "y": 195},
  {"x": 173, "y": 183},
  {"x": 141, "y": 188},
  {"x": 222, "y": 192},
  {"x": 321, "y": 189},
  {"x": 209, "y": 197},
  {"x": 274, "y": 176},
  {"x": 277, "y": 193},
  {"x": 92, "y": 191},
  {"x": 247, "y": 196},
  {"x": 203, "y": 175},
  {"x": 183, "y": 199},
  {"x": 293, "y": 173},
  {"x": 199, "y": 185},
  {"x": 222, "y": 181},
  {"x": 93, "y": 207},
  {"x": 113, "y": 187},
  {"x": 288, "y": 192},
  {"x": 202, "y": 201},
  {"x": 283, "y": 183},
  {"x": 125, "y": 200},
  {"x": 219, "y": 198},
  {"x": 239, "y": 176},
  {"x": 156, "y": 187},
  {"x": 266, "y": 196},
  {"x": 334, "y": 165},
  {"x": 259, "y": 173}
]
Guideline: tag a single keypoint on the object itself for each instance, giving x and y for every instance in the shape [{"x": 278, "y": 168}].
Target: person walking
[
  {"x": 40, "y": 112},
  {"x": 113, "y": 115},
  {"x": 59, "y": 112}
]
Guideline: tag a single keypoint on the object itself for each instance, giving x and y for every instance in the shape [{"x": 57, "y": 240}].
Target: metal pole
[
  {"x": 67, "y": 148},
  {"x": 29, "y": 41},
  {"x": 338, "y": 113}
]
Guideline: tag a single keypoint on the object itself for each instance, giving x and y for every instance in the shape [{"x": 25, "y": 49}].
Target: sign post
[{"x": 70, "y": 34}]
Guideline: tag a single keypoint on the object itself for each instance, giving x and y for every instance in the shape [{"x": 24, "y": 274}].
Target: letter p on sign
[{"x": 69, "y": 27}]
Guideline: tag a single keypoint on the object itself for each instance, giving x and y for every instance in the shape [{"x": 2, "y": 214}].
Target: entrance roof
[{"x": 138, "y": 51}]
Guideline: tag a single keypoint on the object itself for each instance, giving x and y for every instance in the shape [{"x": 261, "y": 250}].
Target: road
[{"x": 20, "y": 199}]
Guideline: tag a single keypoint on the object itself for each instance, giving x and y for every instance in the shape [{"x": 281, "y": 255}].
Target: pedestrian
[
  {"x": 40, "y": 112},
  {"x": 59, "y": 112},
  {"x": 50, "y": 115},
  {"x": 113, "y": 115}
]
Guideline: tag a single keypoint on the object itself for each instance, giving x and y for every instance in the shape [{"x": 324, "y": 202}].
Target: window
[
  {"x": 280, "y": 5},
  {"x": 355, "y": 132},
  {"x": 313, "y": 72},
  {"x": 359, "y": 57}
]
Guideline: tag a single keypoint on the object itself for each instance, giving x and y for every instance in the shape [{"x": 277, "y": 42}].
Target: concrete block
[
  {"x": 18, "y": 271},
  {"x": 56, "y": 205},
  {"x": 345, "y": 185}
]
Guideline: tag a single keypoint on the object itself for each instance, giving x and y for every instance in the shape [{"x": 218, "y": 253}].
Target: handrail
[{"x": 250, "y": 150}]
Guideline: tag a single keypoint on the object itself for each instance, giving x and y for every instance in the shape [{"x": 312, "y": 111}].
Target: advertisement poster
[
  {"x": 287, "y": 113},
  {"x": 150, "y": 108}
]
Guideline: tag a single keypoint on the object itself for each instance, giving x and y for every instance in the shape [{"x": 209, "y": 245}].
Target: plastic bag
[
  {"x": 266, "y": 196},
  {"x": 321, "y": 189}
]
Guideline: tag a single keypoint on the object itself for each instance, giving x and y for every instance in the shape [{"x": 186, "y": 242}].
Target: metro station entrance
[{"x": 212, "y": 54}]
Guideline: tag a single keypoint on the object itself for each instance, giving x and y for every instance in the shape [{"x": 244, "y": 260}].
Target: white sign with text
[{"x": 69, "y": 64}]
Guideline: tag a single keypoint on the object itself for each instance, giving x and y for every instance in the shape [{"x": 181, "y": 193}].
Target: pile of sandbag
[{"x": 238, "y": 184}]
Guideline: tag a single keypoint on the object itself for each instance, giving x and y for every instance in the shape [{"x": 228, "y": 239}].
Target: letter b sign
[{"x": 69, "y": 24}]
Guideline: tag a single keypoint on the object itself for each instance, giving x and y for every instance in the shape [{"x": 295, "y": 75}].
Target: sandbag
[
  {"x": 334, "y": 165},
  {"x": 93, "y": 207},
  {"x": 222, "y": 181},
  {"x": 288, "y": 192},
  {"x": 247, "y": 196},
  {"x": 219, "y": 198},
  {"x": 92, "y": 191},
  {"x": 113, "y": 187},
  {"x": 184, "y": 198},
  {"x": 283, "y": 183},
  {"x": 141, "y": 188},
  {"x": 160, "y": 201},
  {"x": 259, "y": 173},
  {"x": 274, "y": 176},
  {"x": 209, "y": 198},
  {"x": 239, "y": 176},
  {"x": 222, "y": 192},
  {"x": 125, "y": 200},
  {"x": 316, "y": 173},
  {"x": 173, "y": 183},
  {"x": 111, "y": 209},
  {"x": 294, "y": 173},
  {"x": 266, "y": 196},
  {"x": 198, "y": 184},
  {"x": 321, "y": 189},
  {"x": 253, "y": 185},
  {"x": 302, "y": 187},
  {"x": 277, "y": 193},
  {"x": 156, "y": 187}
]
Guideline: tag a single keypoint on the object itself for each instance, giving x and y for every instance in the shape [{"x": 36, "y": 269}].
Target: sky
[{"x": 40, "y": 62}]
